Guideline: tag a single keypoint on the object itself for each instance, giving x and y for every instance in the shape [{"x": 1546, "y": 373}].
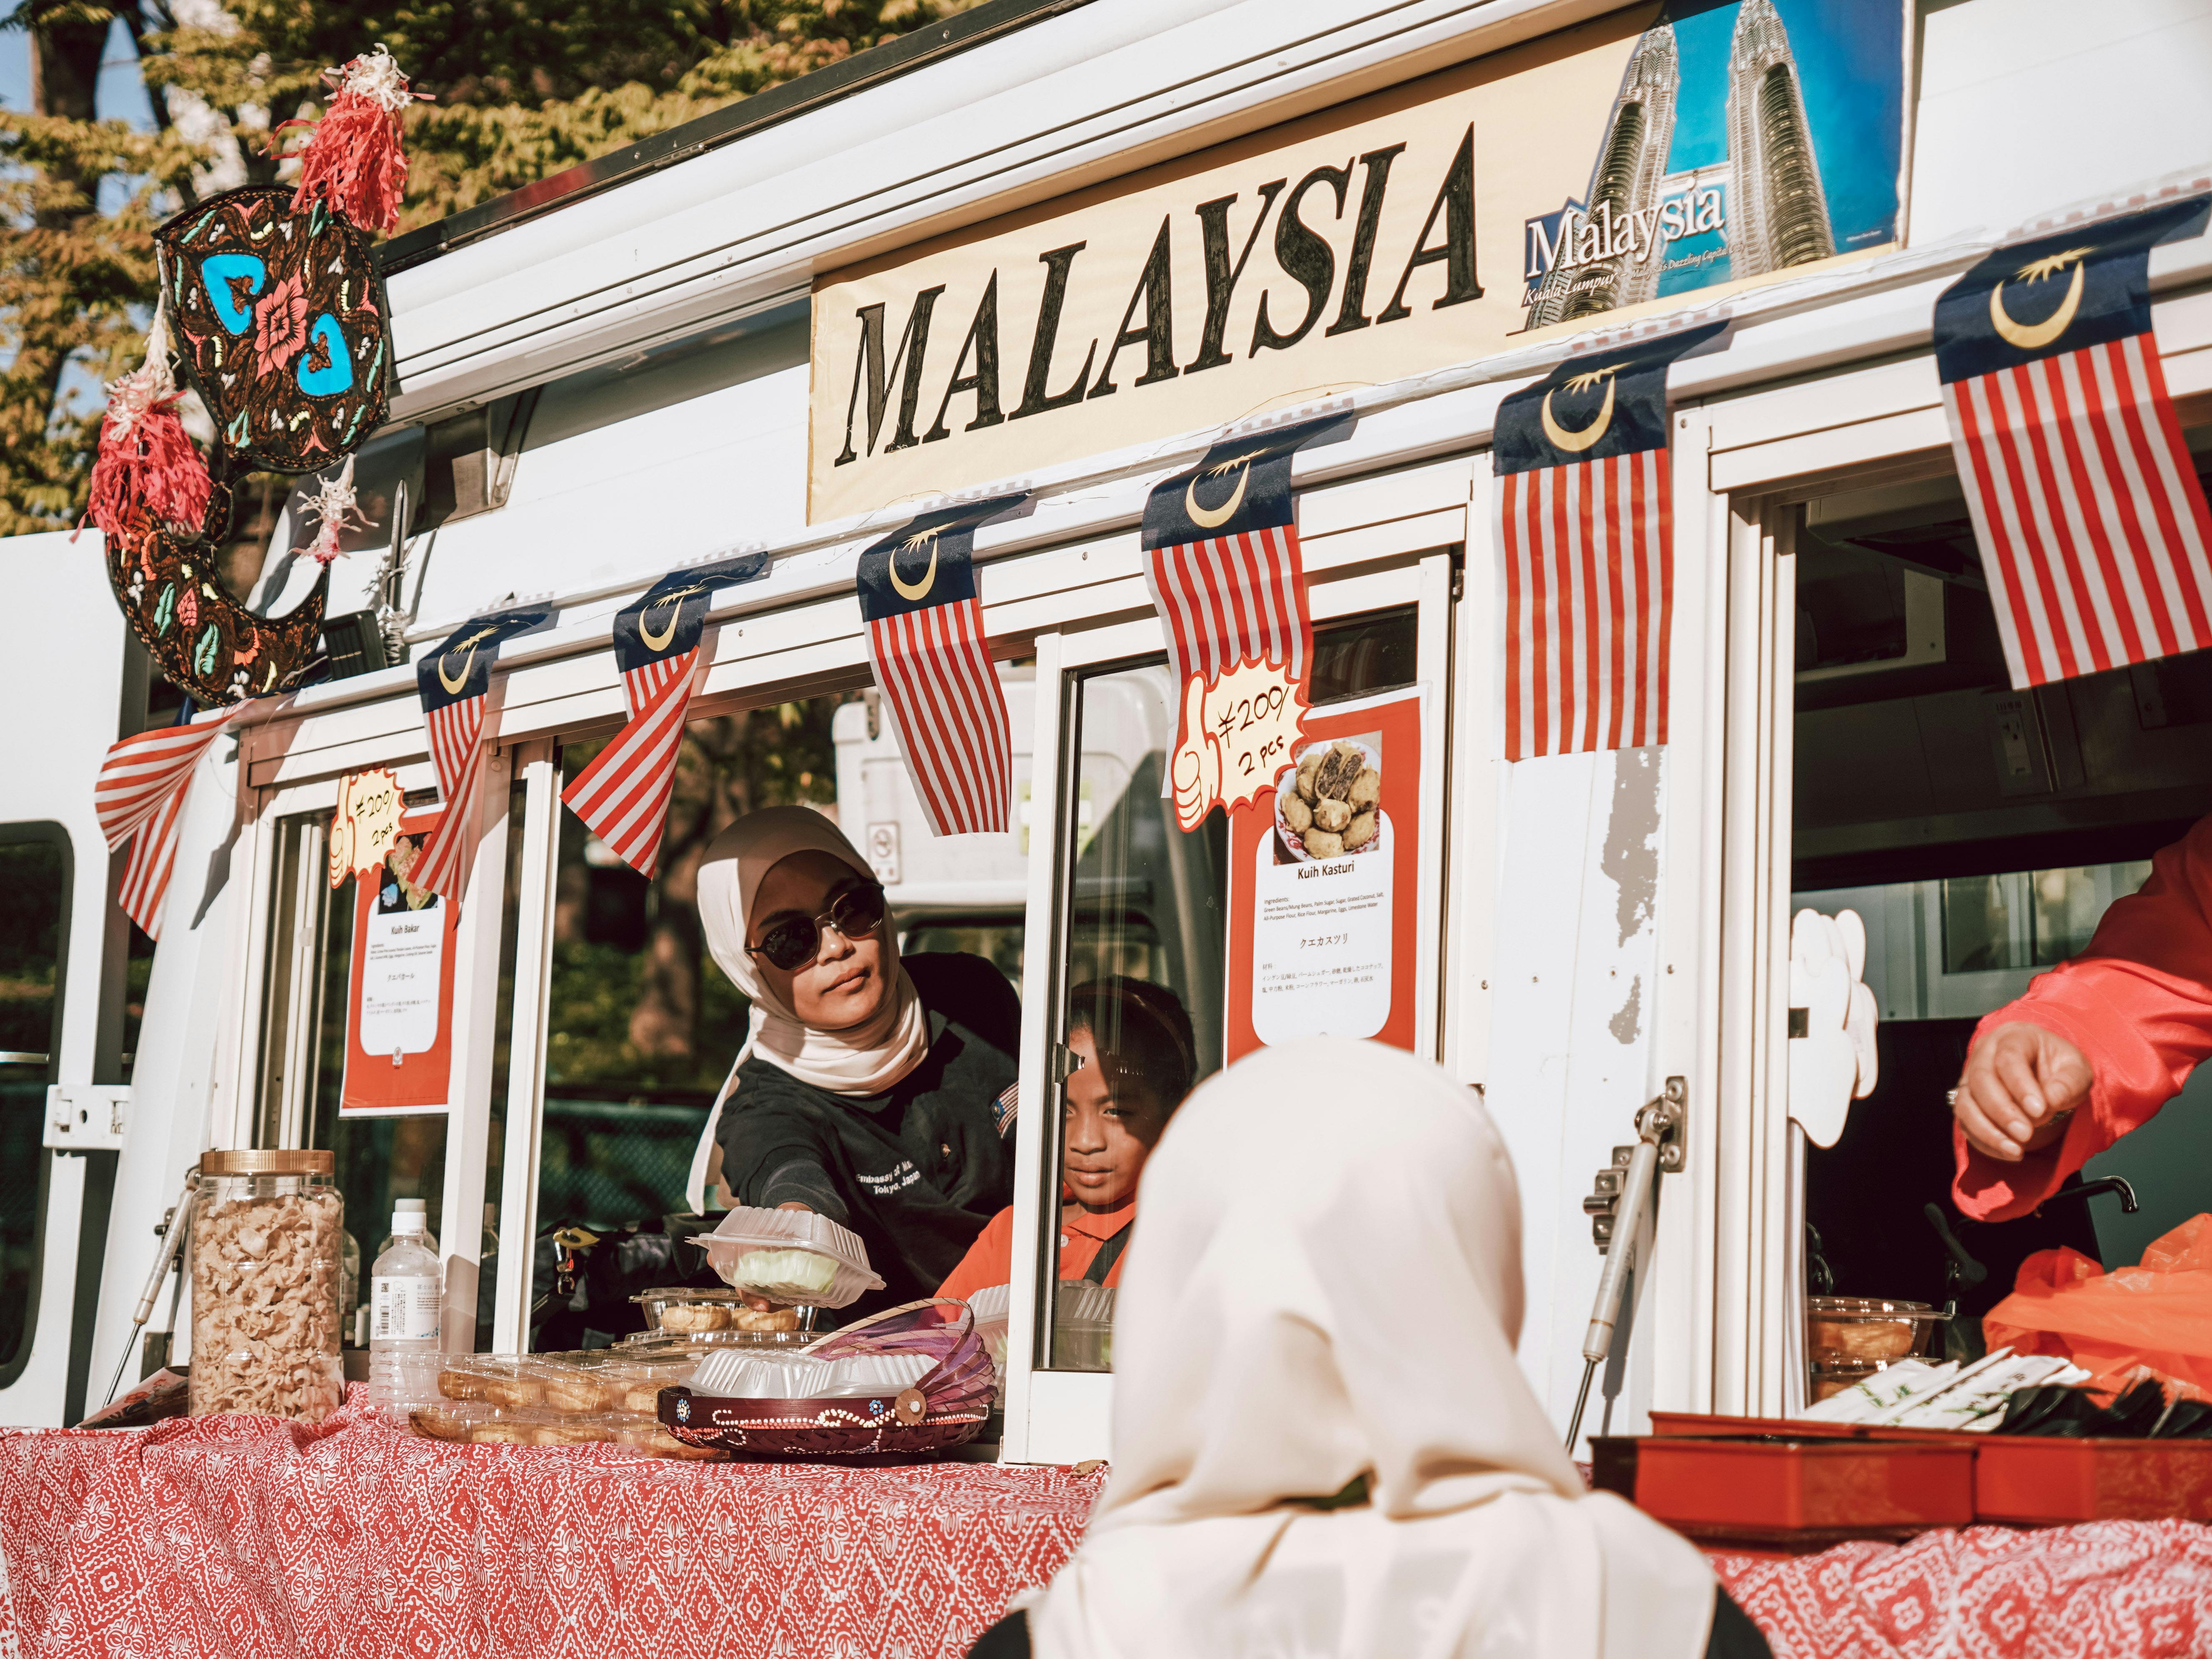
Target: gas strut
[
  {"x": 1624, "y": 1192},
  {"x": 174, "y": 1225}
]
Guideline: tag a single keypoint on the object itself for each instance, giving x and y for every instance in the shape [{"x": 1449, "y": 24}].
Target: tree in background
[{"x": 522, "y": 88}]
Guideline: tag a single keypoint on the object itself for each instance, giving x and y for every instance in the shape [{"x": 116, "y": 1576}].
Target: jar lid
[{"x": 290, "y": 1161}]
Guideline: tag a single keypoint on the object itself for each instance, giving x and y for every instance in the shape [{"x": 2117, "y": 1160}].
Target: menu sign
[
  {"x": 1646, "y": 159},
  {"x": 399, "y": 996},
  {"x": 1322, "y": 886}
]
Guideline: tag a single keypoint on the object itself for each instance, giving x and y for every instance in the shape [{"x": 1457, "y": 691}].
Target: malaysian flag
[
  {"x": 925, "y": 616},
  {"x": 2092, "y": 524},
  {"x": 1221, "y": 557},
  {"x": 1585, "y": 544},
  {"x": 622, "y": 795},
  {"x": 139, "y": 798},
  {"x": 452, "y": 682}
]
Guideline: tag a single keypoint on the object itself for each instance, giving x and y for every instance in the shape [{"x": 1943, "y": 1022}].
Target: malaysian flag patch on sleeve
[
  {"x": 2087, "y": 509},
  {"x": 1585, "y": 542},
  {"x": 924, "y": 613}
]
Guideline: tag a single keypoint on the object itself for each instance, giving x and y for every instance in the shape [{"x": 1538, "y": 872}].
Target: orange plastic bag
[{"x": 2156, "y": 1315}]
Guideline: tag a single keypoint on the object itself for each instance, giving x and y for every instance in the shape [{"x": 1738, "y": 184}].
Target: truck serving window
[{"x": 34, "y": 873}]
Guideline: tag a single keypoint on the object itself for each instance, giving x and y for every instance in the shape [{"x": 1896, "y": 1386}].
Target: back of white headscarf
[
  {"x": 1325, "y": 1282},
  {"x": 864, "y": 1060}
]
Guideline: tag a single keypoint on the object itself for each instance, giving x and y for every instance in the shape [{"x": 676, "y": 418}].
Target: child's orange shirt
[{"x": 1082, "y": 1234}]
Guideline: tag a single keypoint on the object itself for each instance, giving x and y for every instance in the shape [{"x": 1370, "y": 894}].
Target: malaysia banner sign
[
  {"x": 452, "y": 682},
  {"x": 1221, "y": 557},
  {"x": 1585, "y": 538},
  {"x": 622, "y": 795},
  {"x": 924, "y": 612},
  {"x": 2091, "y": 521}
]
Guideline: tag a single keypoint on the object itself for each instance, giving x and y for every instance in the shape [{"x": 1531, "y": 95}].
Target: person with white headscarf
[
  {"x": 869, "y": 1089},
  {"x": 1323, "y": 1445}
]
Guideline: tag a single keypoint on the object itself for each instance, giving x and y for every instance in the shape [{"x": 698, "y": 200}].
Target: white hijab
[
  {"x": 1325, "y": 1281},
  {"x": 861, "y": 1060}
]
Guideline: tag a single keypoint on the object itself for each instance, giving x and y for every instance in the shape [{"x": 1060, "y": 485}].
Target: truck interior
[{"x": 1980, "y": 833}]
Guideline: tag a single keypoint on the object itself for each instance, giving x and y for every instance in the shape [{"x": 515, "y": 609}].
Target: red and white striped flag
[
  {"x": 139, "y": 798},
  {"x": 622, "y": 795},
  {"x": 2092, "y": 524},
  {"x": 1221, "y": 557},
  {"x": 924, "y": 612},
  {"x": 1585, "y": 540},
  {"x": 452, "y": 682}
]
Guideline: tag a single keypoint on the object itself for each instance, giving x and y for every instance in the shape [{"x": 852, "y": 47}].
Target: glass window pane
[
  {"x": 642, "y": 1026},
  {"x": 1979, "y": 925},
  {"x": 2069, "y": 902},
  {"x": 1146, "y": 923},
  {"x": 35, "y": 875}
]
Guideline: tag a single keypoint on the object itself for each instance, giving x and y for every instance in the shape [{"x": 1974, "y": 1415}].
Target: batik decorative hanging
[
  {"x": 1585, "y": 539},
  {"x": 272, "y": 300},
  {"x": 2092, "y": 524},
  {"x": 622, "y": 795},
  {"x": 924, "y": 611},
  {"x": 1221, "y": 557},
  {"x": 139, "y": 797},
  {"x": 280, "y": 319},
  {"x": 452, "y": 682}
]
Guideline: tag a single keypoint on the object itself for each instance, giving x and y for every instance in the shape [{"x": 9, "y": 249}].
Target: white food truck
[{"x": 1059, "y": 251}]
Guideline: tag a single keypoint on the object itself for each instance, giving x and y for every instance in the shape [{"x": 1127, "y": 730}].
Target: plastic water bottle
[{"x": 406, "y": 1286}]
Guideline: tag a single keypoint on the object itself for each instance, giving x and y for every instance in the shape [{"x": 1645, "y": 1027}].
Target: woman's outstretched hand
[{"x": 2019, "y": 1085}]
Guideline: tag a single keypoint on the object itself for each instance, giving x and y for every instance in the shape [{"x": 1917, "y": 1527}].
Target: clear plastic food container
[
  {"x": 1868, "y": 1327},
  {"x": 682, "y": 1310},
  {"x": 267, "y": 1244},
  {"x": 792, "y": 1256}
]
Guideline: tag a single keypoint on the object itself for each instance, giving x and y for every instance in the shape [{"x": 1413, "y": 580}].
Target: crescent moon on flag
[
  {"x": 675, "y": 603},
  {"x": 454, "y": 682},
  {"x": 1575, "y": 442},
  {"x": 1214, "y": 518},
  {"x": 916, "y": 590},
  {"x": 2034, "y": 337}
]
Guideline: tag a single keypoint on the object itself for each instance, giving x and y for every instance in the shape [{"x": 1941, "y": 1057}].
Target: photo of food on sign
[
  {"x": 1331, "y": 802},
  {"x": 394, "y": 892}
]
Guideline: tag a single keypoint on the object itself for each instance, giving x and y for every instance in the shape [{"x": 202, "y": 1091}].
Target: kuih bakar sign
[{"x": 1425, "y": 225}]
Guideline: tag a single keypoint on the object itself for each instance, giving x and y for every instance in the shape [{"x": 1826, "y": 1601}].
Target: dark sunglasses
[{"x": 791, "y": 943}]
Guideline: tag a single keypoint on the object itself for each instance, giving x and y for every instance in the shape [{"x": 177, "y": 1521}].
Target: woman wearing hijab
[
  {"x": 868, "y": 1087},
  {"x": 1323, "y": 1444}
]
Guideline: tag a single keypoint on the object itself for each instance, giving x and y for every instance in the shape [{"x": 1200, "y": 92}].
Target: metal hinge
[{"x": 1664, "y": 1120}]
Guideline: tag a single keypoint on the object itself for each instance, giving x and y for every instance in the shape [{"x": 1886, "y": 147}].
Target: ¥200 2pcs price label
[{"x": 1237, "y": 738}]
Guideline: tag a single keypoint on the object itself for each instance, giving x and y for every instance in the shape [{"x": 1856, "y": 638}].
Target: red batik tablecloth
[
  {"x": 250, "y": 1536},
  {"x": 245, "y": 1535},
  {"x": 2115, "y": 1589}
]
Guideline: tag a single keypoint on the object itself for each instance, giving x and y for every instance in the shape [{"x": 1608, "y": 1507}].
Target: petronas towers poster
[{"x": 1747, "y": 137}]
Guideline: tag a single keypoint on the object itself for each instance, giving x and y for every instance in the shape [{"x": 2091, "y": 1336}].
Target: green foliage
[{"x": 521, "y": 89}]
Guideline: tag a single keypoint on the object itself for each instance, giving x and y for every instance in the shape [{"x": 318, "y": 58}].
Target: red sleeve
[
  {"x": 2138, "y": 1006},
  {"x": 990, "y": 1260}
]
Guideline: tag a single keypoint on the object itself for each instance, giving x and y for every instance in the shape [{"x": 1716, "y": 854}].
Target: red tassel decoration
[
  {"x": 147, "y": 470},
  {"x": 352, "y": 162}
]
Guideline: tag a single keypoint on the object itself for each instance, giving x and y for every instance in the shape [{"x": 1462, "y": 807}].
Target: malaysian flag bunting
[
  {"x": 140, "y": 796},
  {"x": 2086, "y": 505},
  {"x": 452, "y": 681},
  {"x": 622, "y": 795},
  {"x": 925, "y": 614},
  {"x": 1221, "y": 557},
  {"x": 1585, "y": 539}
]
